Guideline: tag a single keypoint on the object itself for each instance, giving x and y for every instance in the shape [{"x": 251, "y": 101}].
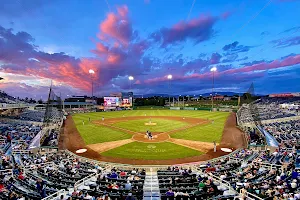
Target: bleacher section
[{"x": 243, "y": 174}]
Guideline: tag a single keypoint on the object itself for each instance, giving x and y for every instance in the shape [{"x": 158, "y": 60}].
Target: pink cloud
[{"x": 116, "y": 26}]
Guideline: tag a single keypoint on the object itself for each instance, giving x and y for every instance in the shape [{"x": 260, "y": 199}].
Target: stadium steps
[{"x": 151, "y": 186}]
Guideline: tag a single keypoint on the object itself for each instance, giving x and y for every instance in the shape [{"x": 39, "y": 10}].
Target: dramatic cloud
[
  {"x": 215, "y": 58},
  {"x": 197, "y": 30},
  {"x": 289, "y": 61},
  {"x": 19, "y": 55},
  {"x": 228, "y": 72},
  {"x": 117, "y": 26},
  {"x": 286, "y": 42},
  {"x": 120, "y": 51},
  {"x": 235, "y": 48}
]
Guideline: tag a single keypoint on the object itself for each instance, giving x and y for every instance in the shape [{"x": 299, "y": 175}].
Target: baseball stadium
[
  {"x": 178, "y": 136},
  {"x": 149, "y": 100}
]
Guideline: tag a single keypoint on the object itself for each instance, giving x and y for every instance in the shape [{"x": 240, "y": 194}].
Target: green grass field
[
  {"x": 162, "y": 125},
  {"x": 151, "y": 151},
  {"x": 205, "y": 133},
  {"x": 93, "y": 134}
]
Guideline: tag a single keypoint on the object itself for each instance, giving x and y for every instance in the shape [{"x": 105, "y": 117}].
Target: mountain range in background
[{"x": 204, "y": 95}]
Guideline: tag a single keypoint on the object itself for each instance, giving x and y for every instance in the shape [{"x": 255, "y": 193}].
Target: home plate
[
  {"x": 81, "y": 150},
  {"x": 226, "y": 150}
]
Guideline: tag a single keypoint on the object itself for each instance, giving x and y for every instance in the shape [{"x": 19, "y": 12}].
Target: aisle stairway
[{"x": 151, "y": 186}]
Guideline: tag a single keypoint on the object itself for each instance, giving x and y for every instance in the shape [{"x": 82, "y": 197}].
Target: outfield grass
[
  {"x": 151, "y": 151},
  {"x": 93, "y": 134},
  {"x": 180, "y": 113},
  {"x": 162, "y": 125},
  {"x": 205, "y": 133}
]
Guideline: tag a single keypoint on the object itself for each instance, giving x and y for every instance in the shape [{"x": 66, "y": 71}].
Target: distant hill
[{"x": 203, "y": 94}]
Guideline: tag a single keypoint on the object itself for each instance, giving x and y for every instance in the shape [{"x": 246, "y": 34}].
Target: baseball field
[{"x": 175, "y": 134}]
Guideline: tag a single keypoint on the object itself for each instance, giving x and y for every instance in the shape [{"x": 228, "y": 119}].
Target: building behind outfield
[{"x": 79, "y": 103}]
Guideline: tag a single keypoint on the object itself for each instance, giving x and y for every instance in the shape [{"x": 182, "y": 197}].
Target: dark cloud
[
  {"x": 230, "y": 58},
  {"x": 198, "y": 30},
  {"x": 264, "y": 33},
  {"x": 215, "y": 58},
  {"x": 235, "y": 47},
  {"x": 253, "y": 62},
  {"x": 230, "y": 46},
  {"x": 286, "y": 42},
  {"x": 293, "y": 29}
]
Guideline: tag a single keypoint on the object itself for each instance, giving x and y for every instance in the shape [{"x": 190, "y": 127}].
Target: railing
[
  {"x": 34, "y": 166},
  {"x": 246, "y": 195},
  {"x": 270, "y": 166},
  {"x": 7, "y": 172},
  {"x": 21, "y": 151},
  {"x": 84, "y": 180},
  {"x": 55, "y": 195},
  {"x": 223, "y": 182}
]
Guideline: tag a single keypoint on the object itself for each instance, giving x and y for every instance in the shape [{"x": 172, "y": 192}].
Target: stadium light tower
[
  {"x": 213, "y": 70},
  {"x": 169, "y": 80},
  {"x": 131, "y": 78},
  {"x": 91, "y": 72}
]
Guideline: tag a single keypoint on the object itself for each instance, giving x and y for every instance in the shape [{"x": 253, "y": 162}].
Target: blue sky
[{"x": 247, "y": 40}]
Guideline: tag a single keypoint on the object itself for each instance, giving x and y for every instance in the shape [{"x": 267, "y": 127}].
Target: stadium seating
[{"x": 245, "y": 173}]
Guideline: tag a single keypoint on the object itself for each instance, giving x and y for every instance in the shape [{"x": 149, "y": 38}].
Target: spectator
[
  {"x": 130, "y": 197},
  {"x": 128, "y": 186},
  {"x": 170, "y": 193}
]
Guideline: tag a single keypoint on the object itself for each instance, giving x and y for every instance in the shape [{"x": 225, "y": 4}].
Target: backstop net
[{"x": 53, "y": 116}]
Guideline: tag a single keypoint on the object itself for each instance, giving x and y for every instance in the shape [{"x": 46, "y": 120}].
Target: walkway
[
  {"x": 151, "y": 186},
  {"x": 271, "y": 141}
]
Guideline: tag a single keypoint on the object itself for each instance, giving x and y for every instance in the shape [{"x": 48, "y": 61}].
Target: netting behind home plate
[
  {"x": 254, "y": 110},
  {"x": 53, "y": 113},
  {"x": 53, "y": 108}
]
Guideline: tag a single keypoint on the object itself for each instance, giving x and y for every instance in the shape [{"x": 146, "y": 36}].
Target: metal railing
[
  {"x": 21, "y": 151},
  {"x": 84, "y": 180},
  {"x": 7, "y": 172},
  {"x": 223, "y": 182},
  {"x": 34, "y": 166},
  {"x": 55, "y": 195},
  {"x": 247, "y": 195}
]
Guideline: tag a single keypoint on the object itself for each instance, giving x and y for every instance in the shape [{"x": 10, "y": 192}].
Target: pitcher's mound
[{"x": 150, "y": 124}]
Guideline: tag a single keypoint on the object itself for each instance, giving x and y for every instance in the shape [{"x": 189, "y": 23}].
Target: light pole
[
  {"x": 91, "y": 72},
  {"x": 213, "y": 84},
  {"x": 169, "y": 78},
  {"x": 130, "y": 79}
]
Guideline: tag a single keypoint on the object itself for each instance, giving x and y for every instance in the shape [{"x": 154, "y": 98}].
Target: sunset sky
[{"x": 61, "y": 40}]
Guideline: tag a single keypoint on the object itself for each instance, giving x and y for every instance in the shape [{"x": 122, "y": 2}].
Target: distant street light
[
  {"x": 213, "y": 70},
  {"x": 169, "y": 80}
]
